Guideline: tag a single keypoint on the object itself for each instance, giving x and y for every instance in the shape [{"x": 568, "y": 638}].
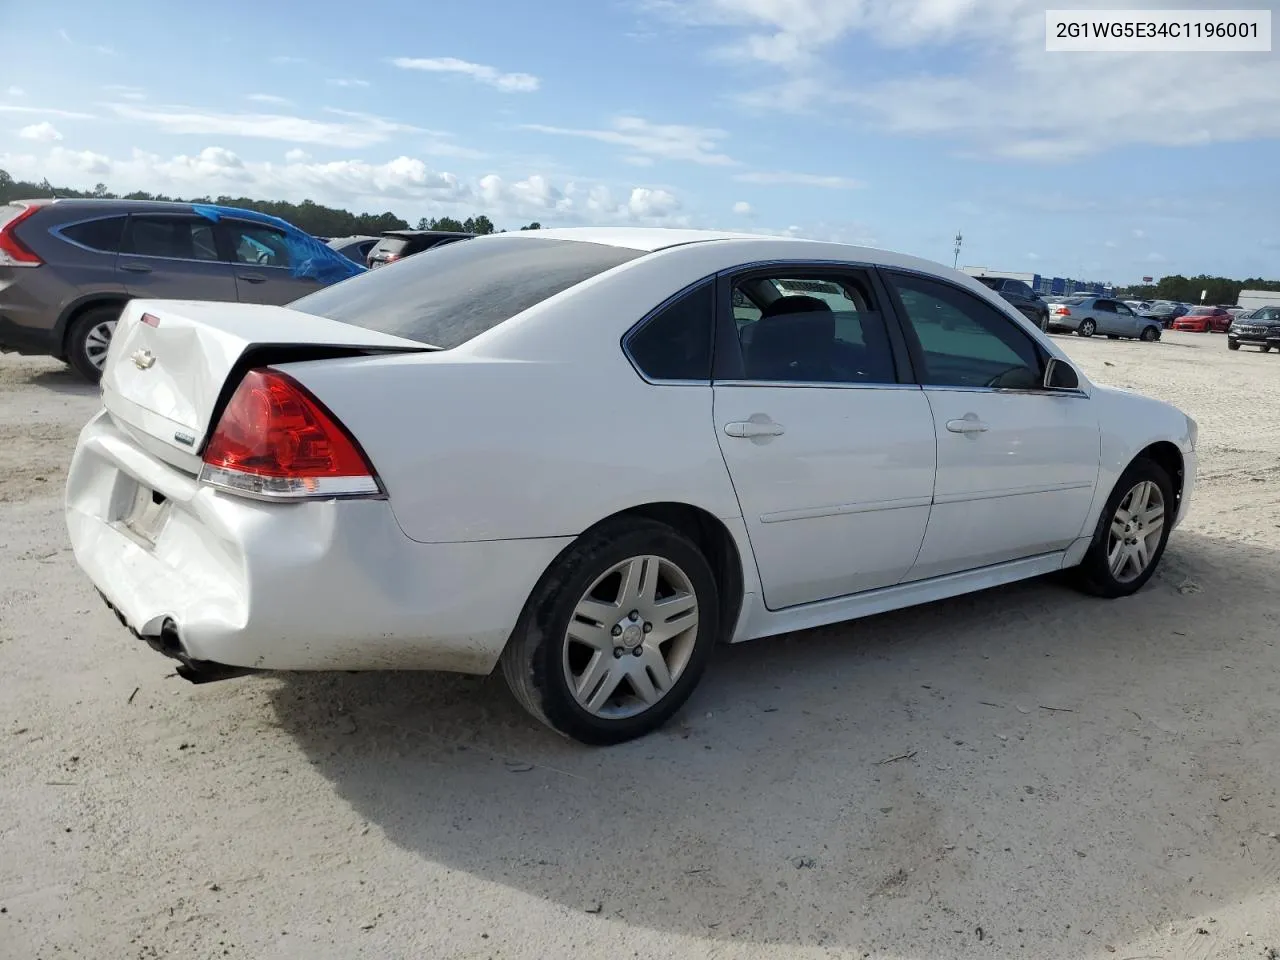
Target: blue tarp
[{"x": 308, "y": 257}]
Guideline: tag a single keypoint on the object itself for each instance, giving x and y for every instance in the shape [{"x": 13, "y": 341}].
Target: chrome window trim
[{"x": 819, "y": 384}]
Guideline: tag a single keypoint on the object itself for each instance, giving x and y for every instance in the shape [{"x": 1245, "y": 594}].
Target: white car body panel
[{"x": 496, "y": 454}]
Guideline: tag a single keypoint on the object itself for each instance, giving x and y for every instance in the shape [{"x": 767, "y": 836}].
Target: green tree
[{"x": 533, "y": 226}]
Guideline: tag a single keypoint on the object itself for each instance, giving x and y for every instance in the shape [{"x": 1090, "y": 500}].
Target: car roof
[
  {"x": 647, "y": 239},
  {"x": 411, "y": 234}
]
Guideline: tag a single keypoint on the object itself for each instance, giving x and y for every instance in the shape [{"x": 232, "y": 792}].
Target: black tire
[
  {"x": 1094, "y": 573},
  {"x": 83, "y": 345},
  {"x": 1233, "y": 344},
  {"x": 1087, "y": 328},
  {"x": 1149, "y": 334},
  {"x": 532, "y": 662},
  {"x": 1113, "y": 336},
  {"x": 1265, "y": 348}
]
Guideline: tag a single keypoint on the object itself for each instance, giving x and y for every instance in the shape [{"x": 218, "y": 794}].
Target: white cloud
[
  {"x": 125, "y": 92},
  {"x": 297, "y": 156},
  {"x": 1154, "y": 258},
  {"x": 654, "y": 140},
  {"x": 799, "y": 179},
  {"x": 285, "y": 58},
  {"x": 1008, "y": 97},
  {"x": 404, "y": 183},
  {"x": 270, "y": 98},
  {"x": 742, "y": 208},
  {"x": 1110, "y": 244},
  {"x": 44, "y": 132},
  {"x": 46, "y": 111},
  {"x": 15, "y": 92},
  {"x": 355, "y": 130},
  {"x": 506, "y": 82},
  {"x": 1139, "y": 234},
  {"x": 347, "y": 82}
]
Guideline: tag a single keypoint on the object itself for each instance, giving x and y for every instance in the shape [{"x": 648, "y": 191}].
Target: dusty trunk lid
[{"x": 170, "y": 360}]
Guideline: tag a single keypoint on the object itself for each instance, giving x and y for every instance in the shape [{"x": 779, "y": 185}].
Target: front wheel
[
  {"x": 1150, "y": 334},
  {"x": 1234, "y": 345},
  {"x": 1087, "y": 328},
  {"x": 89, "y": 339},
  {"x": 1131, "y": 534},
  {"x": 616, "y": 634}
]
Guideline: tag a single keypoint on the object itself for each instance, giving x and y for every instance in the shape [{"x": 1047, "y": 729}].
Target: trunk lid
[{"x": 173, "y": 363}]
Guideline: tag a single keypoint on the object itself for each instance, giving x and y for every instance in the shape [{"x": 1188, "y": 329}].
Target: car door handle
[
  {"x": 135, "y": 267},
  {"x": 253, "y": 278},
  {"x": 754, "y": 428},
  {"x": 968, "y": 424}
]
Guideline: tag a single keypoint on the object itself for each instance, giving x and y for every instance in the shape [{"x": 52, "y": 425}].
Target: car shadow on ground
[{"x": 1026, "y": 760}]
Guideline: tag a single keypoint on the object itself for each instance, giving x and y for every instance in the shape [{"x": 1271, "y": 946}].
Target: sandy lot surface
[{"x": 422, "y": 815}]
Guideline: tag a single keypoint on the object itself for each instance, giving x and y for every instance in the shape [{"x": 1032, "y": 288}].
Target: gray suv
[{"x": 67, "y": 267}]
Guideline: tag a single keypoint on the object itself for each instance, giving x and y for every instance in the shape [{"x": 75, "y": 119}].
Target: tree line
[
  {"x": 316, "y": 219},
  {"x": 1188, "y": 289}
]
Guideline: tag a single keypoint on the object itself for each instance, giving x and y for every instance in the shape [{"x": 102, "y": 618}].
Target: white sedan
[{"x": 591, "y": 455}]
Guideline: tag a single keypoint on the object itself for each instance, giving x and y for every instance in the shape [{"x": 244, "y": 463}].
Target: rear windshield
[
  {"x": 455, "y": 291},
  {"x": 1203, "y": 311},
  {"x": 390, "y": 246}
]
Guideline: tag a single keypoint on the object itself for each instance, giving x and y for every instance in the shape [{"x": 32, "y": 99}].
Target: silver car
[{"x": 1089, "y": 315}]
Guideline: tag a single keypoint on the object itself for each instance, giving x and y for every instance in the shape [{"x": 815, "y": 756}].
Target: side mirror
[{"x": 1060, "y": 375}]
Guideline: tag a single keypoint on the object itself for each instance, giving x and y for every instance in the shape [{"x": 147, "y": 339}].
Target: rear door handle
[
  {"x": 754, "y": 428},
  {"x": 968, "y": 424},
  {"x": 253, "y": 278},
  {"x": 135, "y": 267}
]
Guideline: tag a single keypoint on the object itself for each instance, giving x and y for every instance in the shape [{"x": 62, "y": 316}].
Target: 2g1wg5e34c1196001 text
[{"x": 1158, "y": 31}]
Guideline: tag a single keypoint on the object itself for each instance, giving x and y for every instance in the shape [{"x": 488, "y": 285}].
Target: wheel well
[
  {"x": 76, "y": 312},
  {"x": 1169, "y": 457},
  {"x": 717, "y": 545}
]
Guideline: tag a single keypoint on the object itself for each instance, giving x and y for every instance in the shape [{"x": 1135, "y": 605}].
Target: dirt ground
[{"x": 1073, "y": 778}]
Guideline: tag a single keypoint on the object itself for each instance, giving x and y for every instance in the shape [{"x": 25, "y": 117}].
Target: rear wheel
[
  {"x": 1131, "y": 534},
  {"x": 1087, "y": 328},
  {"x": 1150, "y": 333},
  {"x": 89, "y": 338},
  {"x": 617, "y": 634}
]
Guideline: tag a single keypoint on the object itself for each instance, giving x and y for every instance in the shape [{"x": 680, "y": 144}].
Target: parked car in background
[
  {"x": 1256, "y": 328},
  {"x": 395, "y": 245},
  {"x": 1019, "y": 293},
  {"x": 1165, "y": 312},
  {"x": 1204, "y": 320},
  {"x": 1138, "y": 306},
  {"x": 68, "y": 267},
  {"x": 1089, "y": 315},
  {"x": 354, "y": 248},
  {"x": 591, "y": 513}
]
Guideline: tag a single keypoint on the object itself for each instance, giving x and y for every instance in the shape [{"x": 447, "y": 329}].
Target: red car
[{"x": 1204, "y": 320}]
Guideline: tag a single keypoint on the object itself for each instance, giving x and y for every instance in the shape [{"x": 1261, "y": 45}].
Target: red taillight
[
  {"x": 1062, "y": 311},
  {"x": 13, "y": 252},
  {"x": 276, "y": 440}
]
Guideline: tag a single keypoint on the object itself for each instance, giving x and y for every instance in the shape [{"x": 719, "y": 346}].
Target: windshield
[
  {"x": 455, "y": 291},
  {"x": 1203, "y": 311},
  {"x": 1265, "y": 313}
]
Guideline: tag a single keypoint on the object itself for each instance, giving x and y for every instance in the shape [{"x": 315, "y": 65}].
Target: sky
[{"x": 893, "y": 125}]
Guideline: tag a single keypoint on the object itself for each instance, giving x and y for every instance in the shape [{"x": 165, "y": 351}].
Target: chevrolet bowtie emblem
[{"x": 142, "y": 359}]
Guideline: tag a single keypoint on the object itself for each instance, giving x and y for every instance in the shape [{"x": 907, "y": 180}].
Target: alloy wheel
[
  {"x": 97, "y": 341},
  {"x": 1135, "y": 531},
  {"x": 630, "y": 637}
]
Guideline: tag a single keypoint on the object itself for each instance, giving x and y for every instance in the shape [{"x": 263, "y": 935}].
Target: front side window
[
  {"x": 811, "y": 329},
  {"x": 675, "y": 343},
  {"x": 964, "y": 342},
  {"x": 455, "y": 291},
  {"x": 254, "y": 243},
  {"x": 181, "y": 238}
]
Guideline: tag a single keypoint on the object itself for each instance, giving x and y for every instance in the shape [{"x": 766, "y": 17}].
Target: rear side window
[
  {"x": 181, "y": 238},
  {"x": 102, "y": 235},
  {"x": 389, "y": 247},
  {"x": 455, "y": 291},
  {"x": 675, "y": 344}
]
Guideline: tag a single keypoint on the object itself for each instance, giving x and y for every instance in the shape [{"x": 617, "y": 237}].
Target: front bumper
[
  {"x": 1255, "y": 339},
  {"x": 320, "y": 585}
]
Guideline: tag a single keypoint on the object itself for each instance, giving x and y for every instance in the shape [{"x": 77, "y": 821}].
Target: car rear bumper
[
  {"x": 20, "y": 338},
  {"x": 320, "y": 585}
]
